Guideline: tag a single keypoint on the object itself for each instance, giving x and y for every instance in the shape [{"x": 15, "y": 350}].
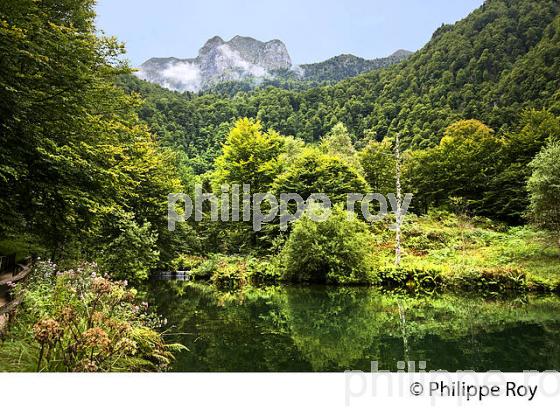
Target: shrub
[
  {"x": 206, "y": 268},
  {"x": 338, "y": 250},
  {"x": 544, "y": 188},
  {"x": 230, "y": 273},
  {"x": 187, "y": 262},
  {"x": 133, "y": 252},
  {"x": 263, "y": 272}
]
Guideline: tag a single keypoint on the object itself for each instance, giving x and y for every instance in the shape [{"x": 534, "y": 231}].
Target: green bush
[
  {"x": 132, "y": 253},
  {"x": 230, "y": 273},
  {"x": 225, "y": 272},
  {"x": 187, "y": 262},
  {"x": 338, "y": 250},
  {"x": 263, "y": 272}
]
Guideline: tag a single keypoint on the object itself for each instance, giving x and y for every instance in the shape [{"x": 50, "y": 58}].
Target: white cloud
[
  {"x": 184, "y": 76},
  {"x": 232, "y": 58}
]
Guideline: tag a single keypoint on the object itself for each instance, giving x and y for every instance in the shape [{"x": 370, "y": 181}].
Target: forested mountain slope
[
  {"x": 502, "y": 58},
  {"x": 347, "y": 65}
]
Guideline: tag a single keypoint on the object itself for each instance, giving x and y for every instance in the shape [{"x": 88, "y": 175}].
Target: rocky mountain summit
[
  {"x": 218, "y": 61},
  {"x": 244, "y": 58}
]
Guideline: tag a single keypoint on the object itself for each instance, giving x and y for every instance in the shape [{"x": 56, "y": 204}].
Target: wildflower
[
  {"x": 47, "y": 331},
  {"x": 68, "y": 315},
  {"x": 98, "y": 317},
  {"x": 101, "y": 286},
  {"x": 86, "y": 365},
  {"x": 126, "y": 346},
  {"x": 96, "y": 337}
]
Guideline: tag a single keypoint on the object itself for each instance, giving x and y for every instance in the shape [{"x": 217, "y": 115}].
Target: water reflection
[{"x": 336, "y": 329}]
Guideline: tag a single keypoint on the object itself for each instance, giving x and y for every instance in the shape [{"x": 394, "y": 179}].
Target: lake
[{"x": 325, "y": 329}]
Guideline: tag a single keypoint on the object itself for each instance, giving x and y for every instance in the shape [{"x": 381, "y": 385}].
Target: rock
[{"x": 217, "y": 61}]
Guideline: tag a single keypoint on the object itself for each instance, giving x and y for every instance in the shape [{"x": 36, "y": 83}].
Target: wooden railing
[
  {"x": 16, "y": 273},
  {"x": 20, "y": 272}
]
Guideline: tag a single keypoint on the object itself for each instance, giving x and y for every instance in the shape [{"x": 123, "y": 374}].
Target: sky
[{"x": 313, "y": 30}]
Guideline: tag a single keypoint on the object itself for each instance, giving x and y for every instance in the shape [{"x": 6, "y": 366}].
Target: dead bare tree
[{"x": 398, "y": 215}]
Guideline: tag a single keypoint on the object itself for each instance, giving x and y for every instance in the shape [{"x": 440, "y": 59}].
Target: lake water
[{"x": 335, "y": 329}]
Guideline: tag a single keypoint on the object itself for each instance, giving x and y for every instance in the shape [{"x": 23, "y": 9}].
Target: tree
[
  {"x": 378, "y": 164},
  {"x": 337, "y": 250},
  {"x": 398, "y": 216},
  {"x": 507, "y": 191},
  {"x": 339, "y": 143},
  {"x": 544, "y": 188},
  {"x": 315, "y": 172},
  {"x": 460, "y": 166},
  {"x": 250, "y": 156},
  {"x": 74, "y": 153}
]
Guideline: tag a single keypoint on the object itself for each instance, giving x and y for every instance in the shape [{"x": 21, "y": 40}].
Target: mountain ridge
[{"x": 246, "y": 58}]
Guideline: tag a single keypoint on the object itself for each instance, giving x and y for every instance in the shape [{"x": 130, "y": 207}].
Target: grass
[{"x": 457, "y": 244}]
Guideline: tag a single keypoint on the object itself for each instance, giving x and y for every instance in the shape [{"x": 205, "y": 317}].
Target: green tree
[
  {"x": 544, "y": 188},
  {"x": 378, "y": 162},
  {"x": 250, "y": 156},
  {"x": 338, "y": 142},
  {"x": 460, "y": 166},
  {"x": 507, "y": 191},
  {"x": 315, "y": 172},
  {"x": 74, "y": 153},
  {"x": 337, "y": 250}
]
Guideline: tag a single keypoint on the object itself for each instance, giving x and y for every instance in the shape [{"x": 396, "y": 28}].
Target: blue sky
[{"x": 313, "y": 30}]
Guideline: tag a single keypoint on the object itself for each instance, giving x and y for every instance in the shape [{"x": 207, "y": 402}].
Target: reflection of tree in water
[
  {"x": 334, "y": 329},
  {"x": 239, "y": 331},
  {"x": 402, "y": 317}
]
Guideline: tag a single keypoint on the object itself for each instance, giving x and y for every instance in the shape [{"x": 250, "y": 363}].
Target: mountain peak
[
  {"x": 218, "y": 60},
  {"x": 400, "y": 53},
  {"x": 244, "y": 57}
]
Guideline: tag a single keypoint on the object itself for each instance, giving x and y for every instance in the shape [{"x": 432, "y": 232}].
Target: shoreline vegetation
[
  {"x": 89, "y": 155},
  {"x": 441, "y": 252},
  {"x": 77, "y": 320}
]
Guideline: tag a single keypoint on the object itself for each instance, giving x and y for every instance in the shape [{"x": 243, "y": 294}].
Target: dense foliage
[
  {"x": 79, "y": 171},
  {"x": 500, "y": 60},
  {"x": 79, "y": 320},
  {"x": 544, "y": 188},
  {"x": 336, "y": 250}
]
